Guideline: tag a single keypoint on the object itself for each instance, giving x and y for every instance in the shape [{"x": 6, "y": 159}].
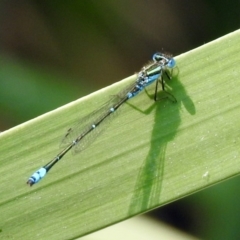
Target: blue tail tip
[{"x": 37, "y": 176}]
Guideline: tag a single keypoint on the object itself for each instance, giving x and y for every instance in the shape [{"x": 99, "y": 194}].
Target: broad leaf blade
[{"x": 150, "y": 154}]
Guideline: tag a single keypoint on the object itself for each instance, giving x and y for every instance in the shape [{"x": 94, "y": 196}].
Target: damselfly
[{"x": 152, "y": 72}]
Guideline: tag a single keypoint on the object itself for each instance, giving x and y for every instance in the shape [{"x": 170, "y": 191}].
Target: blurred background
[{"x": 54, "y": 52}]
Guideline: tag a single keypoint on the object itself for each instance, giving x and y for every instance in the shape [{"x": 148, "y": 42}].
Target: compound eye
[
  {"x": 157, "y": 57},
  {"x": 171, "y": 63}
]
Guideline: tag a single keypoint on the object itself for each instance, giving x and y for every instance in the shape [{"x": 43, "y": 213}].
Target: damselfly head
[{"x": 165, "y": 59}]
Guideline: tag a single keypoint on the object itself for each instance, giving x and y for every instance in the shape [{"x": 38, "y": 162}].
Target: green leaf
[{"x": 149, "y": 155}]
